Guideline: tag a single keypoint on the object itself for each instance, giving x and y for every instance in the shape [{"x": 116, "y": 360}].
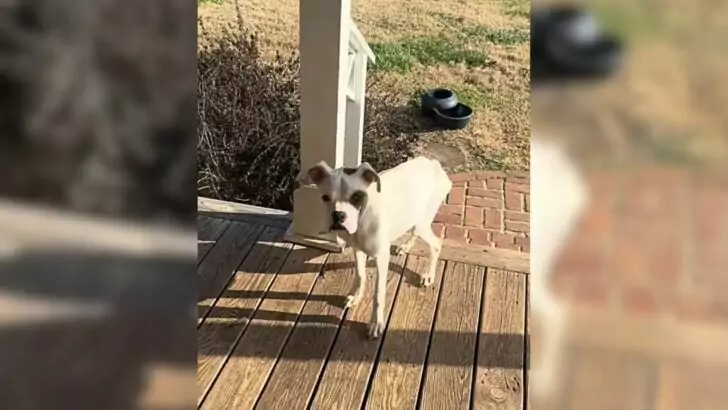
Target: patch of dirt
[{"x": 451, "y": 157}]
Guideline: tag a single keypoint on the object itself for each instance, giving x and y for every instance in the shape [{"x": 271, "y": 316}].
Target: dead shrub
[{"x": 248, "y": 122}]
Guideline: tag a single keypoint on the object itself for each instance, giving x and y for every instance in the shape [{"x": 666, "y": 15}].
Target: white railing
[
  {"x": 359, "y": 55},
  {"x": 334, "y": 59}
]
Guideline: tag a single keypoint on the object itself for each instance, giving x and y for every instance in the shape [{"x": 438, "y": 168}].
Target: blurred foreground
[
  {"x": 644, "y": 272},
  {"x": 94, "y": 314},
  {"x": 97, "y": 117}
]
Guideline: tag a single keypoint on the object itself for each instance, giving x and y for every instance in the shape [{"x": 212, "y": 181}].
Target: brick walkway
[
  {"x": 487, "y": 208},
  {"x": 651, "y": 253},
  {"x": 651, "y": 242}
]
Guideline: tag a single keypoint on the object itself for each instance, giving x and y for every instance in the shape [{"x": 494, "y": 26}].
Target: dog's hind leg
[
  {"x": 550, "y": 315},
  {"x": 424, "y": 231}
]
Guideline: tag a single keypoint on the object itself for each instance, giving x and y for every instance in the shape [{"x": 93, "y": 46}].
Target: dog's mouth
[{"x": 339, "y": 227}]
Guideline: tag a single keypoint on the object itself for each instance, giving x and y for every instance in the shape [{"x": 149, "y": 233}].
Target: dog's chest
[{"x": 368, "y": 244}]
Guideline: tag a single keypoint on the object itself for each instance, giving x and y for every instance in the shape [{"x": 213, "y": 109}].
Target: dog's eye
[
  {"x": 325, "y": 198},
  {"x": 356, "y": 198}
]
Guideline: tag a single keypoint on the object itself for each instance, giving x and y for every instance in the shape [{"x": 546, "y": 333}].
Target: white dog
[
  {"x": 370, "y": 210},
  {"x": 559, "y": 196}
]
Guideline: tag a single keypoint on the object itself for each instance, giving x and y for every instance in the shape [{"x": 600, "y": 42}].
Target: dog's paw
[
  {"x": 375, "y": 330},
  {"x": 351, "y": 301},
  {"x": 397, "y": 250},
  {"x": 404, "y": 248},
  {"x": 427, "y": 281}
]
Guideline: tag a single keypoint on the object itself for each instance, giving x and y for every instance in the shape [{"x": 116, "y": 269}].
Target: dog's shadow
[
  {"x": 410, "y": 277},
  {"x": 228, "y": 324},
  {"x": 399, "y": 268}
]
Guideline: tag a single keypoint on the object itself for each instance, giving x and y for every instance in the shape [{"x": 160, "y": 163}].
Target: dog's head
[{"x": 344, "y": 192}]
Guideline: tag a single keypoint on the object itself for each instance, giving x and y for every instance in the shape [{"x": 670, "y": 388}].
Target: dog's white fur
[
  {"x": 399, "y": 201},
  {"x": 411, "y": 195},
  {"x": 559, "y": 196}
]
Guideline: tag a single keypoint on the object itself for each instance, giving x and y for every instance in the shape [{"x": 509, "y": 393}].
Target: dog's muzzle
[{"x": 337, "y": 219}]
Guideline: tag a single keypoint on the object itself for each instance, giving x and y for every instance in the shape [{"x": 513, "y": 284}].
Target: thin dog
[{"x": 370, "y": 210}]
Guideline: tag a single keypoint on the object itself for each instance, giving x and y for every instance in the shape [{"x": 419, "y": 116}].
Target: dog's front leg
[
  {"x": 378, "y": 321},
  {"x": 551, "y": 316},
  {"x": 357, "y": 290}
]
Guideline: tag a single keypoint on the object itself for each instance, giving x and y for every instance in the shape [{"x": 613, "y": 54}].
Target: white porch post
[{"x": 324, "y": 43}]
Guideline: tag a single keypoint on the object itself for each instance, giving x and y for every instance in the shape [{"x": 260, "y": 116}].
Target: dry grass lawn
[
  {"x": 668, "y": 105},
  {"x": 480, "y": 49}
]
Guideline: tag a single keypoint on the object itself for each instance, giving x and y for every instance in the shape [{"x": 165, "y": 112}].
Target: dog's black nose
[{"x": 338, "y": 217}]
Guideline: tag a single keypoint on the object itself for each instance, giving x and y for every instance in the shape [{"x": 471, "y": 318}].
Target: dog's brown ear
[
  {"x": 314, "y": 175},
  {"x": 370, "y": 175}
]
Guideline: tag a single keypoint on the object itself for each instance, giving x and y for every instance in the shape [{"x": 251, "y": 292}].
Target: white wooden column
[{"x": 324, "y": 44}]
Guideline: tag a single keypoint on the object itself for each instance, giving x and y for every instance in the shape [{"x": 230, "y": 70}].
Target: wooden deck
[{"x": 273, "y": 333}]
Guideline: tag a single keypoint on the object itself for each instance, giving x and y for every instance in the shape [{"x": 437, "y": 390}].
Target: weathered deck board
[
  {"x": 685, "y": 385},
  {"x": 243, "y": 212},
  {"x": 610, "y": 380},
  {"x": 209, "y": 231},
  {"x": 479, "y": 255},
  {"x": 500, "y": 355},
  {"x": 294, "y": 378},
  {"x": 247, "y": 276},
  {"x": 218, "y": 266},
  {"x": 449, "y": 371},
  {"x": 344, "y": 382},
  {"x": 230, "y": 315},
  {"x": 255, "y": 355},
  {"x": 395, "y": 384},
  {"x": 274, "y": 334}
]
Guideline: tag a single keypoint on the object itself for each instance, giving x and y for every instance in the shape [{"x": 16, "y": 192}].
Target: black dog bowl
[
  {"x": 455, "y": 118},
  {"x": 438, "y": 99},
  {"x": 601, "y": 57},
  {"x": 567, "y": 42},
  {"x": 574, "y": 26}
]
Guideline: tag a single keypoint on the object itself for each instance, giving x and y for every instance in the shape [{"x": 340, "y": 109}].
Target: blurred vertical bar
[
  {"x": 644, "y": 273},
  {"x": 97, "y": 204}
]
